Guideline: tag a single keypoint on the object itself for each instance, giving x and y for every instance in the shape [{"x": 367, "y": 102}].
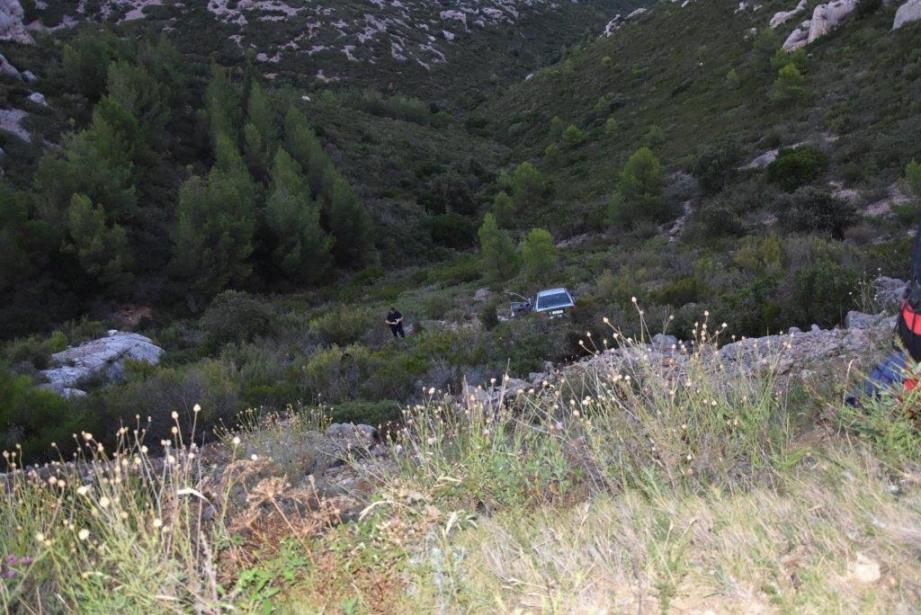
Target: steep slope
[
  {"x": 409, "y": 46},
  {"x": 704, "y": 74}
]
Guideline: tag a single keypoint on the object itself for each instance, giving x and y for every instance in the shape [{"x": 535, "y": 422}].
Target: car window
[{"x": 554, "y": 300}]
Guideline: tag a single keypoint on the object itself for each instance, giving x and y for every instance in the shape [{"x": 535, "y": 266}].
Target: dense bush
[
  {"x": 376, "y": 413},
  {"x": 824, "y": 293},
  {"x": 235, "y": 316},
  {"x": 343, "y": 325},
  {"x": 796, "y": 167},
  {"x": 715, "y": 167},
  {"x": 453, "y": 231},
  {"x": 811, "y": 209},
  {"x": 34, "y": 418}
]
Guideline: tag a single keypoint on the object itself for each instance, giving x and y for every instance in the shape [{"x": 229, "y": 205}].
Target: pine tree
[
  {"x": 101, "y": 249},
  {"x": 139, "y": 93},
  {"x": 913, "y": 178},
  {"x": 788, "y": 86},
  {"x": 639, "y": 191},
  {"x": 224, "y": 105},
  {"x": 539, "y": 254},
  {"x": 503, "y": 208},
  {"x": 528, "y": 187},
  {"x": 215, "y": 225},
  {"x": 260, "y": 134},
  {"x": 303, "y": 248},
  {"x": 500, "y": 260},
  {"x": 349, "y": 224},
  {"x": 304, "y": 146}
]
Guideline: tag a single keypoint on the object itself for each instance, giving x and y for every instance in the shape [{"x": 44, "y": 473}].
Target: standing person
[{"x": 395, "y": 322}]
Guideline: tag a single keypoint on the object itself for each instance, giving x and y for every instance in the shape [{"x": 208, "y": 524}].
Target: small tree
[
  {"x": 573, "y": 135},
  {"x": 504, "y": 209},
  {"x": 639, "y": 190},
  {"x": 913, "y": 178},
  {"x": 101, "y": 250},
  {"x": 529, "y": 189},
  {"x": 654, "y": 136},
  {"x": 539, "y": 254},
  {"x": 795, "y": 167},
  {"x": 788, "y": 86},
  {"x": 610, "y": 127},
  {"x": 350, "y": 225},
  {"x": 810, "y": 209},
  {"x": 500, "y": 261},
  {"x": 302, "y": 248},
  {"x": 732, "y": 79}
]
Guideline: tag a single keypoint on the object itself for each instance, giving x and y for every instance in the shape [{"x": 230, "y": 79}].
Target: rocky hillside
[{"x": 389, "y": 44}]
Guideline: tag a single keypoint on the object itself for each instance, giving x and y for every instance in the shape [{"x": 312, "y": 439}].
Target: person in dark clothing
[{"x": 395, "y": 322}]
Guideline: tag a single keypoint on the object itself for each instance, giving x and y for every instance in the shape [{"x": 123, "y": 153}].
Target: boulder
[
  {"x": 38, "y": 98},
  {"x": 827, "y": 17},
  {"x": 102, "y": 360},
  {"x": 7, "y": 69},
  {"x": 784, "y": 16},
  {"x": 798, "y": 38},
  {"x": 663, "y": 343},
  {"x": 859, "y": 320},
  {"x": 761, "y": 161},
  {"x": 29, "y": 76},
  {"x": 12, "y": 27},
  {"x": 888, "y": 292},
  {"x": 482, "y": 295},
  {"x": 907, "y": 13}
]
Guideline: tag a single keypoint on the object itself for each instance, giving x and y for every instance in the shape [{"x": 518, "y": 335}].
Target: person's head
[{"x": 393, "y": 309}]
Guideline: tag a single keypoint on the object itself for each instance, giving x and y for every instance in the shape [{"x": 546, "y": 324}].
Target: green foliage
[
  {"x": 344, "y": 325},
  {"x": 500, "y": 260},
  {"x": 573, "y": 136},
  {"x": 102, "y": 250},
  {"x": 224, "y": 104},
  {"x": 552, "y": 153},
  {"x": 782, "y": 58},
  {"x": 681, "y": 291},
  {"x": 824, "y": 293},
  {"x": 715, "y": 167},
  {"x": 796, "y": 167},
  {"x": 489, "y": 314},
  {"x": 34, "y": 418},
  {"x": 528, "y": 187},
  {"x": 453, "y": 231},
  {"x": 260, "y": 133},
  {"x": 234, "y": 317},
  {"x": 302, "y": 249},
  {"x": 350, "y": 225},
  {"x": 539, "y": 254},
  {"x": 789, "y": 85},
  {"x": 85, "y": 61},
  {"x": 764, "y": 47},
  {"x": 142, "y": 95},
  {"x": 503, "y": 208},
  {"x": 655, "y": 136},
  {"x": 811, "y": 209},
  {"x": 215, "y": 225},
  {"x": 611, "y": 127},
  {"x": 375, "y": 413},
  {"x": 732, "y": 79},
  {"x": 913, "y": 178},
  {"x": 639, "y": 191},
  {"x": 557, "y": 125}
]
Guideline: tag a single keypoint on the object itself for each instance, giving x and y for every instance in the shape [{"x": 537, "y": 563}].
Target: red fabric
[
  {"x": 911, "y": 319},
  {"x": 909, "y": 384}
]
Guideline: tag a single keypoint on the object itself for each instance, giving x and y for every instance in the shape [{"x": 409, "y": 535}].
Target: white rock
[
  {"x": 827, "y": 17},
  {"x": 101, "y": 359},
  {"x": 11, "y": 121},
  {"x": 29, "y": 76},
  {"x": 798, "y": 38},
  {"x": 761, "y": 161},
  {"x": 864, "y": 570},
  {"x": 638, "y": 12},
  {"x": 8, "y": 69},
  {"x": 784, "y": 16},
  {"x": 12, "y": 27},
  {"x": 38, "y": 98},
  {"x": 907, "y": 13},
  {"x": 482, "y": 294}
]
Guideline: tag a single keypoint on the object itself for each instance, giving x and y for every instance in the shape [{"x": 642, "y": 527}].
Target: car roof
[{"x": 552, "y": 291}]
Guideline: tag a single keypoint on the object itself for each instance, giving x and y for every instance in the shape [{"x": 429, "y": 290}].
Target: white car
[{"x": 554, "y": 302}]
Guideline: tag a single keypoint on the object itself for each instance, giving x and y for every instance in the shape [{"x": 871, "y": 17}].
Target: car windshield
[{"x": 546, "y": 302}]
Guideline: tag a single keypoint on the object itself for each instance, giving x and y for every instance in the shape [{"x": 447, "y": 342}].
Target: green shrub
[
  {"x": 913, "y": 179},
  {"x": 235, "y": 316},
  {"x": 539, "y": 254},
  {"x": 34, "y": 352},
  {"x": 639, "y": 194},
  {"x": 573, "y": 135},
  {"x": 489, "y": 314},
  {"x": 717, "y": 220},
  {"x": 655, "y": 136},
  {"x": 681, "y": 291},
  {"x": 810, "y": 209},
  {"x": 343, "y": 325},
  {"x": 453, "y": 231},
  {"x": 375, "y": 413},
  {"x": 715, "y": 167},
  {"x": 795, "y": 167},
  {"x": 789, "y": 85},
  {"x": 610, "y": 127},
  {"x": 824, "y": 293},
  {"x": 437, "y": 305},
  {"x": 34, "y": 418},
  {"x": 466, "y": 268}
]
